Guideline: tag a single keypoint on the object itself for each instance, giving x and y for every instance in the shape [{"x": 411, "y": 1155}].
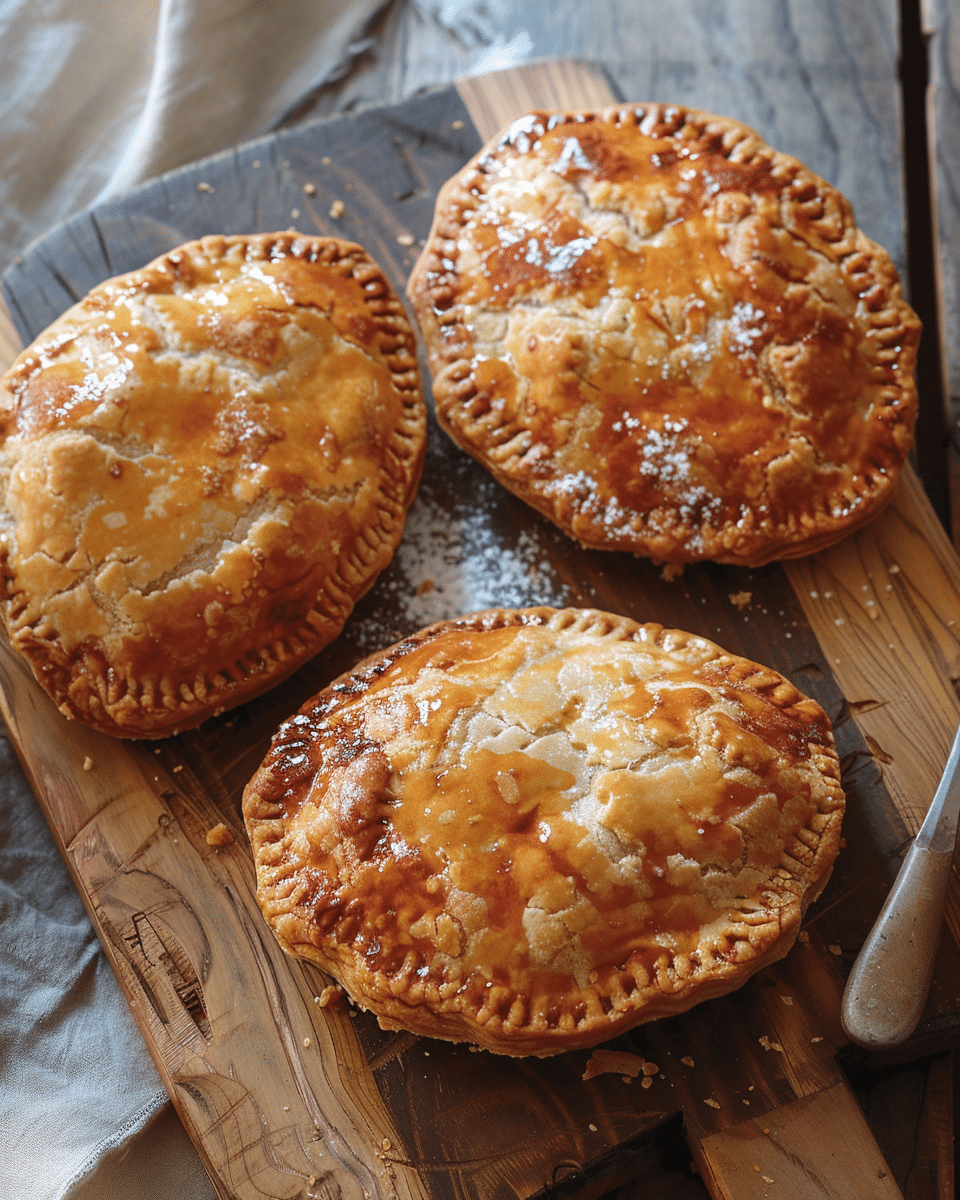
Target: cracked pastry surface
[
  {"x": 534, "y": 829},
  {"x": 667, "y": 337},
  {"x": 204, "y": 463}
]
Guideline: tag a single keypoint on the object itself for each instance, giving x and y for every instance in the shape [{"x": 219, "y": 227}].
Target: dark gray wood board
[{"x": 541, "y": 1123}]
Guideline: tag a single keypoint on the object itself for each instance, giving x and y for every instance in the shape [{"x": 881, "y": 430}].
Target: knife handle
[{"x": 888, "y": 985}]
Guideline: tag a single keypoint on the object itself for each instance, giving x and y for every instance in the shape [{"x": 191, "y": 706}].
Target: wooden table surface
[{"x": 819, "y": 80}]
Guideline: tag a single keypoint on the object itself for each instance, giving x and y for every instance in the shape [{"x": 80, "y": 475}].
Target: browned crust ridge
[
  {"x": 796, "y": 499},
  {"x": 132, "y": 679},
  {"x": 325, "y": 923}
]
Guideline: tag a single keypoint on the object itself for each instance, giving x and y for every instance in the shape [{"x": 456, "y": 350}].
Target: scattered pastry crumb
[
  {"x": 204, "y": 187},
  {"x": 177, "y": 768},
  {"x": 405, "y": 239},
  {"x": 256, "y": 163},
  {"x": 713, "y": 1103},
  {"x": 803, "y": 936},
  {"x": 816, "y": 1039},
  {"x": 893, "y": 569},
  {"x": 459, "y": 125},
  {"x": 650, "y": 1068},
  {"x": 306, "y": 1042},
  {"x": 767, "y": 1044},
  {"x": 788, "y": 1000},
  {"x": 294, "y": 212},
  {"x": 613, "y": 1062},
  {"x": 336, "y": 209},
  {"x": 325, "y": 160},
  {"x": 286, "y": 1108},
  {"x": 835, "y": 950},
  {"x": 646, "y": 1081},
  {"x": 88, "y": 763},
  {"x": 331, "y": 996},
  {"x": 740, "y": 599},
  {"x": 688, "y": 1061},
  {"x": 310, "y": 189},
  {"x": 386, "y": 1144},
  {"x": 592, "y": 1128},
  {"x": 219, "y": 835},
  {"x": 427, "y": 586}
]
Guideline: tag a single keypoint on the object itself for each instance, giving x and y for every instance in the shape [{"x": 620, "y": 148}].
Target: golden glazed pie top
[
  {"x": 667, "y": 337},
  {"x": 534, "y": 829},
  {"x": 203, "y": 464}
]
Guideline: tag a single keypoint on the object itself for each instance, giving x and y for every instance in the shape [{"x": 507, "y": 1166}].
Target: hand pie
[
  {"x": 667, "y": 337},
  {"x": 532, "y": 830},
  {"x": 203, "y": 465}
]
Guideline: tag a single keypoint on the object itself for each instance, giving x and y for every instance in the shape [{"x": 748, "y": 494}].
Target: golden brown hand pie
[
  {"x": 203, "y": 465},
  {"x": 535, "y": 829},
  {"x": 667, "y": 337}
]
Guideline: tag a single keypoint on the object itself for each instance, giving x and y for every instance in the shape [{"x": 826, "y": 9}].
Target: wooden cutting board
[{"x": 284, "y": 1098}]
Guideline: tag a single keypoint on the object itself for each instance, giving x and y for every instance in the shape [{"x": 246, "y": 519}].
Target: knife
[{"x": 888, "y": 986}]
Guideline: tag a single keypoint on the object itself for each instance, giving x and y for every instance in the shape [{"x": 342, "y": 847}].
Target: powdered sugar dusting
[{"x": 453, "y": 563}]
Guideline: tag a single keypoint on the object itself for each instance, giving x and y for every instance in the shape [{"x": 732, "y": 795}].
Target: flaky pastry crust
[
  {"x": 203, "y": 465},
  {"x": 667, "y": 337},
  {"x": 534, "y": 829}
]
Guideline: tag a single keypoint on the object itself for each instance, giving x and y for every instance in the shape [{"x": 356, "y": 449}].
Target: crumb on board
[
  {"x": 204, "y": 187},
  {"x": 688, "y": 1061},
  {"x": 835, "y": 951},
  {"x": 456, "y": 125},
  {"x": 405, "y": 239},
  {"x": 767, "y": 1044},
  {"x": 325, "y": 161},
  {"x": 787, "y": 1000},
  {"x": 88, "y": 763},
  {"x": 426, "y": 587},
  {"x": 310, "y": 189},
  {"x": 332, "y": 996},
  {"x": 219, "y": 835},
  {"x": 740, "y": 599},
  {"x": 711, "y": 1102},
  {"x": 337, "y": 209},
  {"x": 613, "y": 1062}
]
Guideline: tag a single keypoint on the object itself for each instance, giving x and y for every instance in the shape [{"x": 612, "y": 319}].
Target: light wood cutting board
[{"x": 284, "y": 1098}]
